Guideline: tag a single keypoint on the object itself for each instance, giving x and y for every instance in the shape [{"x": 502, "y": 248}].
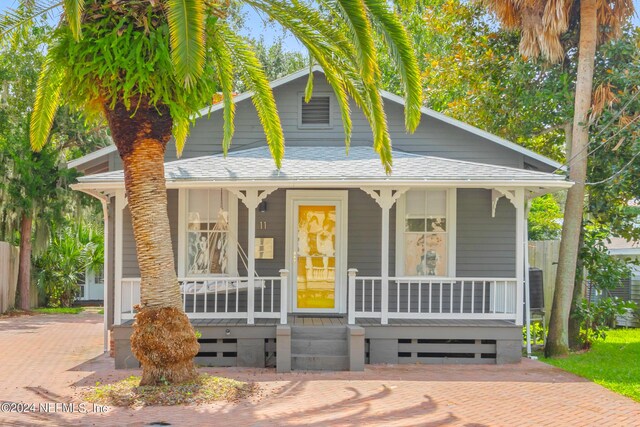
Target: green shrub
[{"x": 598, "y": 317}]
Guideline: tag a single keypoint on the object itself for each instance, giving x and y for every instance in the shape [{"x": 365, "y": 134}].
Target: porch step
[
  {"x": 319, "y": 332},
  {"x": 319, "y": 348},
  {"x": 305, "y": 362}
]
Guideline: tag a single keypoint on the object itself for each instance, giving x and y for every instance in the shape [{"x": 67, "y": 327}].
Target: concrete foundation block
[
  {"x": 383, "y": 351},
  {"x": 124, "y": 358},
  {"x": 355, "y": 344},
  {"x": 508, "y": 351},
  {"x": 283, "y": 348},
  {"x": 251, "y": 352}
]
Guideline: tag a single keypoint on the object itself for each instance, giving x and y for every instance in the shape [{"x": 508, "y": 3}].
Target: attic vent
[{"x": 317, "y": 112}]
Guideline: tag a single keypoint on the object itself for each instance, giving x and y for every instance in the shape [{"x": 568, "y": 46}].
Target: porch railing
[
  {"x": 432, "y": 298},
  {"x": 217, "y": 297}
]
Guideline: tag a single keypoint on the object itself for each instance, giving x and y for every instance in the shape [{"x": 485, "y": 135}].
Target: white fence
[
  {"x": 432, "y": 298},
  {"x": 217, "y": 297}
]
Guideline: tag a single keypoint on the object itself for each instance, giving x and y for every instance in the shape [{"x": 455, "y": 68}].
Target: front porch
[
  {"x": 333, "y": 237},
  {"x": 330, "y": 343}
]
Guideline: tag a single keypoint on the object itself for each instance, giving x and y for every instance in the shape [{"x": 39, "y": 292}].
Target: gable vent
[{"x": 316, "y": 112}]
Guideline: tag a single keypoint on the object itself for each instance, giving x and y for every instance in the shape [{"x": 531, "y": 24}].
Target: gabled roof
[
  {"x": 332, "y": 165},
  {"x": 386, "y": 95}
]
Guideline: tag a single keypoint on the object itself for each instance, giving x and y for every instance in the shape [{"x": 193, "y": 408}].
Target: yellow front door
[{"x": 315, "y": 257}]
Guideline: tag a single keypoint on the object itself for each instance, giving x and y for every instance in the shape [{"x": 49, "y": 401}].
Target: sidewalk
[{"x": 45, "y": 359}]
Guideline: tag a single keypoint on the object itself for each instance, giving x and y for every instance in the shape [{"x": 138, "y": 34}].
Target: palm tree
[
  {"x": 148, "y": 66},
  {"x": 542, "y": 23}
]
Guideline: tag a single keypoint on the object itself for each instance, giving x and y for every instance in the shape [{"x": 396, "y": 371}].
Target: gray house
[{"x": 329, "y": 263}]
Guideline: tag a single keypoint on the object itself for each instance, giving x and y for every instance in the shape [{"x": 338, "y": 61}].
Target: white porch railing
[
  {"x": 433, "y": 298},
  {"x": 217, "y": 297}
]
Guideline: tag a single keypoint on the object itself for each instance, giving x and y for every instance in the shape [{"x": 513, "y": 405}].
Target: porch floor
[{"x": 306, "y": 320}]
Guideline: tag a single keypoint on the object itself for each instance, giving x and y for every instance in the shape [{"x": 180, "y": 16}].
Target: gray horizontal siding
[
  {"x": 364, "y": 240},
  {"x": 433, "y": 137},
  {"x": 486, "y": 246}
]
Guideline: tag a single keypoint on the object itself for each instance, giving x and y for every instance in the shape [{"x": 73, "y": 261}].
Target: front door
[{"x": 317, "y": 249}]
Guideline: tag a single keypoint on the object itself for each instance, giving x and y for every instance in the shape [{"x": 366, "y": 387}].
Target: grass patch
[
  {"x": 204, "y": 389},
  {"x": 101, "y": 311},
  {"x": 612, "y": 363},
  {"x": 59, "y": 310}
]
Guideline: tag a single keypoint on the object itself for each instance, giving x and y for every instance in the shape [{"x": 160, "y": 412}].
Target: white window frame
[
  {"x": 300, "y": 100},
  {"x": 232, "y": 242},
  {"x": 451, "y": 213}
]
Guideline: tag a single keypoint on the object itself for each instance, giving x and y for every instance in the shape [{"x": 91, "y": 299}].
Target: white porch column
[
  {"x": 520, "y": 242},
  {"x": 251, "y": 198},
  {"x": 105, "y": 271},
  {"x": 117, "y": 294},
  {"x": 385, "y": 198},
  {"x": 527, "y": 296}
]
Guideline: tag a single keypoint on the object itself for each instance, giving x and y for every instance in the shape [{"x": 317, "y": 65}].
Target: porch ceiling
[{"x": 333, "y": 165}]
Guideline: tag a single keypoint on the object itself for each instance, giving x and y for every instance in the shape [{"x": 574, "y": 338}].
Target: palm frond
[
  {"x": 14, "y": 23},
  {"x": 325, "y": 45},
  {"x": 378, "y": 120},
  {"x": 46, "y": 103},
  {"x": 222, "y": 57},
  {"x": 186, "y": 26},
  {"x": 354, "y": 13},
  {"x": 180, "y": 133},
  {"x": 390, "y": 27},
  {"x": 73, "y": 10},
  {"x": 255, "y": 78},
  {"x": 308, "y": 89}
]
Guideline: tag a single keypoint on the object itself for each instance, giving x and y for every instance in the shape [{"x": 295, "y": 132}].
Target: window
[
  {"x": 316, "y": 113},
  {"x": 207, "y": 232},
  {"x": 425, "y": 235}
]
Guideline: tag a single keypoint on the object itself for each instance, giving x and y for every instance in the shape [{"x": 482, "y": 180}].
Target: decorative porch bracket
[
  {"x": 385, "y": 198},
  {"x": 251, "y": 198},
  {"x": 497, "y": 193}
]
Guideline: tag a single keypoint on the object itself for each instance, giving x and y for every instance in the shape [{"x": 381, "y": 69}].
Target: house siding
[
  {"x": 433, "y": 137},
  {"x": 486, "y": 246}
]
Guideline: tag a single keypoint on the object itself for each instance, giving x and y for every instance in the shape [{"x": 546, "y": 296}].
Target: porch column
[
  {"x": 121, "y": 202},
  {"x": 385, "y": 198},
  {"x": 105, "y": 271},
  {"x": 520, "y": 242},
  {"x": 251, "y": 198}
]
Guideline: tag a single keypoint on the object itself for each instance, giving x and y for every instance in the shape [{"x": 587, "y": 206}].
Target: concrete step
[
  {"x": 303, "y": 362},
  {"x": 313, "y": 347},
  {"x": 319, "y": 332}
]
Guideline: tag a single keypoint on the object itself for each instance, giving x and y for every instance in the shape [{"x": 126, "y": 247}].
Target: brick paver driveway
[{"x": 43, "y": 359}]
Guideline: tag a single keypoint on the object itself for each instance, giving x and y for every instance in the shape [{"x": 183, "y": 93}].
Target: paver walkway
[{"x": 44, "y": 358}]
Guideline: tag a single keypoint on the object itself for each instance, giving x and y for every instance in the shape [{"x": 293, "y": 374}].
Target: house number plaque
[{"x": 264, "y": 248}]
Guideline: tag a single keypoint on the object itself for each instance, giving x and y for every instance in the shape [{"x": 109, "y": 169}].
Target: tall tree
[
  {"x": 149, "y": 66},
  {"x": 542, "y": 23},
  {"x": 31, "y": 184}
]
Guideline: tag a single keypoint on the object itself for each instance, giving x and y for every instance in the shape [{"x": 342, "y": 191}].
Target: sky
[{"x": 256, "y": 26}]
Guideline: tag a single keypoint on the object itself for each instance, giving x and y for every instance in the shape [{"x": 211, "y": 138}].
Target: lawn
[
  {"x": 59, "y": 310},
  {"x": 613, "y": 363}
]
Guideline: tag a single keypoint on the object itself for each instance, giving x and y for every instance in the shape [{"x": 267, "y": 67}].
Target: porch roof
[{"x": 332, "y": 164}]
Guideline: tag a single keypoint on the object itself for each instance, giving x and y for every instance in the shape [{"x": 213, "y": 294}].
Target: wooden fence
[
  {"x": 543, "y": 254},
  {"x": 8, "y": 275}
]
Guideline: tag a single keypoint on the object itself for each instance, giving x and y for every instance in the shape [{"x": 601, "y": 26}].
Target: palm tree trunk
[
  {"x": 163, "y": 339},
  {"x": 576, "y": 299},
  {"x": 24, "y": 264},
  {"x": 558, "y": 340}
]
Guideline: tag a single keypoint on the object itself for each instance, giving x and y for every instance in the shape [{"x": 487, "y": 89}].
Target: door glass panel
[{"x": 316, "y": 261}]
